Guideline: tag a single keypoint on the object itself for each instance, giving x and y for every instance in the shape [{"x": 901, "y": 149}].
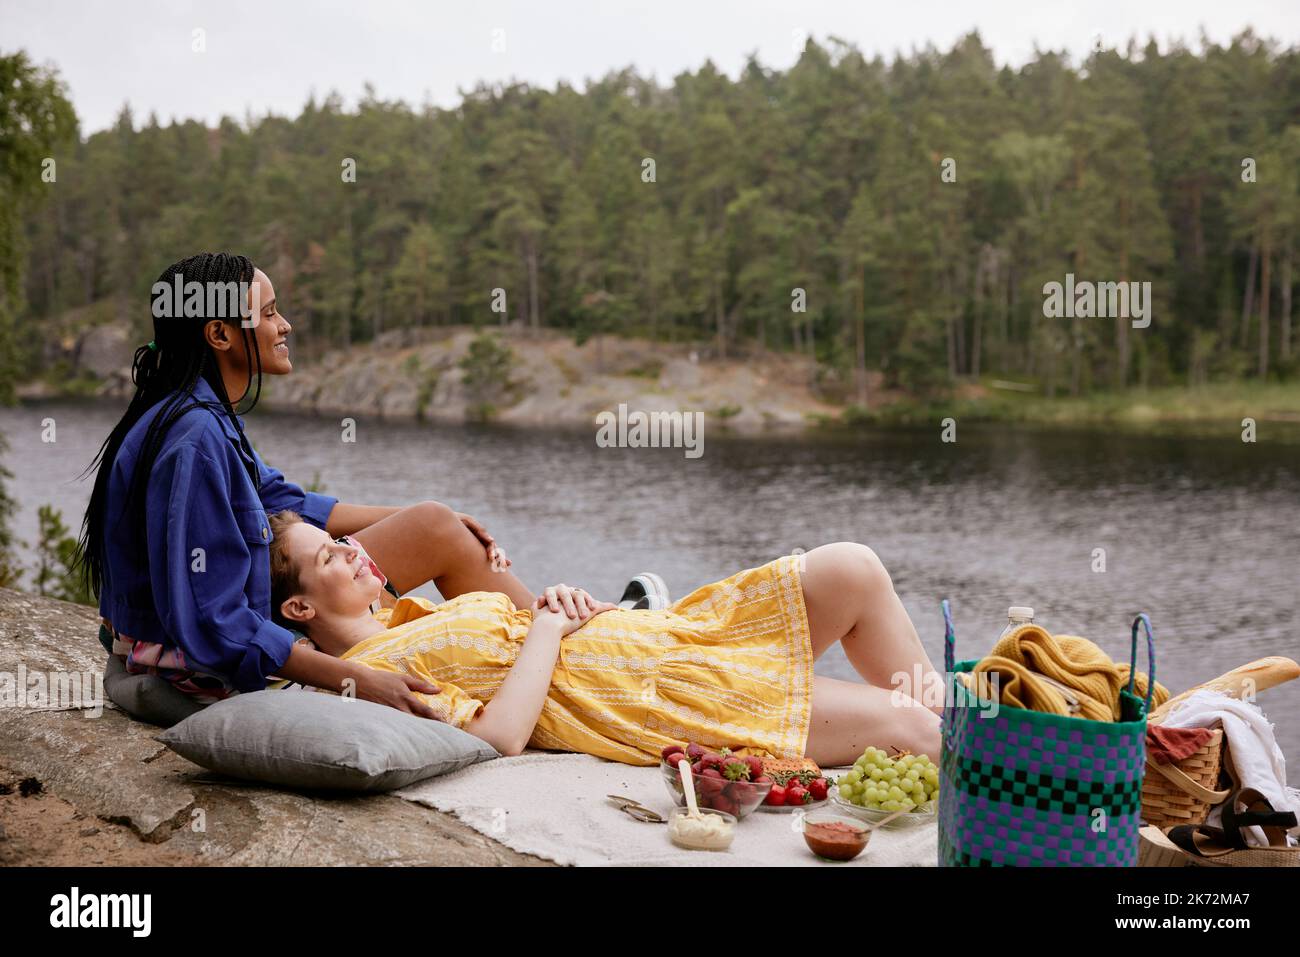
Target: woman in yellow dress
[{"x": 730, "y": 664}]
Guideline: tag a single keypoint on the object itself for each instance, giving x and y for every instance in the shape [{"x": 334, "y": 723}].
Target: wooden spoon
[
  {"x": 684, "y": 769},
  {"x": 886, "y": 819}
]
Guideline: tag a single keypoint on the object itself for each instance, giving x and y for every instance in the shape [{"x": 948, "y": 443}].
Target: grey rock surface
[{"x": 111, "y": 768}]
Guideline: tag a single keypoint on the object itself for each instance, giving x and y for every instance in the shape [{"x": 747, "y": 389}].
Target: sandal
[{"x": 1207, "y": 846}]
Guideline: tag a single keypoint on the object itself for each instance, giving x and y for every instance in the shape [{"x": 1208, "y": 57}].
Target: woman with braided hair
[{"x": 175, "y": 540}]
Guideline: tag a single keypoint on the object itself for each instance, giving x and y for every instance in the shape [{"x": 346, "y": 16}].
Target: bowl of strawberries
[{"x": 724, "y": 780}]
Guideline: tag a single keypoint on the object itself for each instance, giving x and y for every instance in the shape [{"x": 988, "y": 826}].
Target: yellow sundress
[{"x": 730, "y": 664}]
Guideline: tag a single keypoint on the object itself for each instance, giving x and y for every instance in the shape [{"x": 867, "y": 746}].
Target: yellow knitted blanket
[{"x": 1058, "y": 674}]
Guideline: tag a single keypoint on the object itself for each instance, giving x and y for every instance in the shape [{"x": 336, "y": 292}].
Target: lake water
[{"x": 1201, "y": 534}]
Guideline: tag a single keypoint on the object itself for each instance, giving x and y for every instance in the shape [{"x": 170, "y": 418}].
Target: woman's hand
[
  {"x": 394, "y": 690},
  {"x": 573, "y": 607},
  {"x": 496, "y": 555}
]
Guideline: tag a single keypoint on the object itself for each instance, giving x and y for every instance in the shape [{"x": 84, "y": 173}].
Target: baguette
[{"x": 1247, "y": 680}]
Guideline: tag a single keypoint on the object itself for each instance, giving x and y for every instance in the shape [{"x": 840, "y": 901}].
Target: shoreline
[
  {"x": 455, "y": 375},
  {"x": 902, "y": 418}
]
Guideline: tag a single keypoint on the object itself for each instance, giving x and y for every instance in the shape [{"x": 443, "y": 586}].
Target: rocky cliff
[{"x": 549, "y": 380}]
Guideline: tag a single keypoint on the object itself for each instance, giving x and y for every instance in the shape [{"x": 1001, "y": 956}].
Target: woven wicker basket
[{"x": 1185, "y": 791}]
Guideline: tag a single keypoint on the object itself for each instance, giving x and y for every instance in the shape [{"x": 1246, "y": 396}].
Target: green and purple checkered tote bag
[{"x": 1024, "y": 788}]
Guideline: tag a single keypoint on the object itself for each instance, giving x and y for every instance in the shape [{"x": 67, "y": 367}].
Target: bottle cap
[{"x": 1020, "y": 611}]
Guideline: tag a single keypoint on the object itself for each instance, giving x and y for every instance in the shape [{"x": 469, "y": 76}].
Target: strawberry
[
  {"x": 698, "y": 768},
  {"x": 708, "y": 789},
  {"x": 670, "y": 750},
  {"x": 694, "y": 752},
  {"x": 735, "y": 770},
  {"x": 775, "y": 797},
  {"x": 761, "y": 779},
  {"x": 797, "y": 795},
  {"x": 711, "y": 773},
  {"x": 818, "y": 788},
  {"x": 755, "y": 767},
  {"x": 711, "y": 759},
  {"x": 676, "y": 758}
]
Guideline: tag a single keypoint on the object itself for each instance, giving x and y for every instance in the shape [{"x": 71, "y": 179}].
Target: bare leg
[
  {"x": 850, "y": 599},
  {"x": 848, "y": 717},
  {"x": 427, "y": 542}
]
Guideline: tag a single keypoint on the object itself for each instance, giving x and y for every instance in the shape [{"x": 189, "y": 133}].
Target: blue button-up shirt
[{"x": 200, "y": 580}]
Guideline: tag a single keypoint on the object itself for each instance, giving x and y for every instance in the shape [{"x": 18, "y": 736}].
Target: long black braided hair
[{"x": 167, "y": 370}]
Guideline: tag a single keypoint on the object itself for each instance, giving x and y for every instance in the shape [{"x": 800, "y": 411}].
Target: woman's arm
[
  {"x": 200, "y": 556},
  {"x": 345, "y": 519},
  {"x": 340, "y": 518},
  {"x": 319, "y": 670},
  {"x": 348, "y": 519},
  {"x": 507, "y": 721},
  {"x": 204, "y": 607}
]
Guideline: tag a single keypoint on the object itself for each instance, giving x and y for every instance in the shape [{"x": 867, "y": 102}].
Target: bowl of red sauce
[{"x": 835, "y": 836}]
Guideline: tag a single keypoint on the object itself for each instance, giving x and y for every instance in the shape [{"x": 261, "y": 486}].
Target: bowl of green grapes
[{"x": 879, "y": 784}]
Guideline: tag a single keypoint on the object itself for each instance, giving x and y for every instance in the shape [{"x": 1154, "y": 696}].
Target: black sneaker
[{"x": 646, "y": 591}]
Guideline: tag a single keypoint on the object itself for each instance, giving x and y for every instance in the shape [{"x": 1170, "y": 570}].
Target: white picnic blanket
[{"x": 555, "y": 807}]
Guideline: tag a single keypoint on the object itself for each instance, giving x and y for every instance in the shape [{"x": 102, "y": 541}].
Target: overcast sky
[{"x": 269, "y": 56}]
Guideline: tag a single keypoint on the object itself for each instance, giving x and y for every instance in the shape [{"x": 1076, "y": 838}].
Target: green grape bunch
[{"x": 883, "y": 783}]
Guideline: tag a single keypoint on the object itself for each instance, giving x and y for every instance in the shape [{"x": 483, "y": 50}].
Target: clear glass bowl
[
  {"x": 852, "y": 839},
  {"x": 732, "y": 797},
  {"x": 684, "y": 840},
  {"x": 922, "y": 814}
]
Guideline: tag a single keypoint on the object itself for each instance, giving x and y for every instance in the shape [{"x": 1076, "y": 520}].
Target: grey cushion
[
  {"x": 146, "y": 697},
  {"x": 303, "y": 739}
]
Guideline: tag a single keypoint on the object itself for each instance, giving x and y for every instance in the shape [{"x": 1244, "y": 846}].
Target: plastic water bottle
[{"x": 1017, "y": 615}]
